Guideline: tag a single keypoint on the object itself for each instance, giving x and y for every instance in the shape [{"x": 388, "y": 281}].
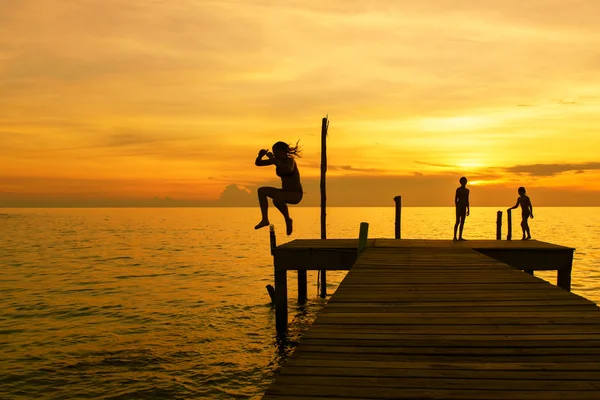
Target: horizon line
[{"x": 231, "y": 206}]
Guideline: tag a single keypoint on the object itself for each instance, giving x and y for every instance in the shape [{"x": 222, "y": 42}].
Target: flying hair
[{"x": 292, "y": 151}]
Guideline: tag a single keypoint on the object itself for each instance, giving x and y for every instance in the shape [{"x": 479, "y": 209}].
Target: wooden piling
[
  {"x": 272, "y": 239},
  {"x": 273, "y": 243},
  {"x": 509, "y": 224},
  {"x": 324, "y": 128},
  {"x": 564, "y": 278},
  {"x": 271, "y": 291},
  {"x": 302, "y": 286},
  {"x": 363, "y": 234},
  {"x": 281, "y": 315},
  {"x": 398, "y": 231},
  {"x": 499, "y": 225}
]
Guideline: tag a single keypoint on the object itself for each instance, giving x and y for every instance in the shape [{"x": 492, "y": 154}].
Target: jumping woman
[{"x": 282, "y": 157}]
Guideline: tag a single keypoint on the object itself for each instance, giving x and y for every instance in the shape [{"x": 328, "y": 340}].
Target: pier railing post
[
  {"x": 398, "y": 231},
  {"x": 499, "y": 226},
  {"x": 362, "y": 237},
  {"x": 509, "y": 224}
]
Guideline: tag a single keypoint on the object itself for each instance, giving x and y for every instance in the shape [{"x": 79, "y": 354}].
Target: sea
[{"x": 170, "y": 303}]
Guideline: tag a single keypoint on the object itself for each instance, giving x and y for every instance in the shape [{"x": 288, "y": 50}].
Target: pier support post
[
  {"x": 509, "y": 224},
  {"x": 302, "y": 292},
  {"x": 398, "y": 231},
  {"x": 563, "y": 279},
  {"x": 323, "y": 291},
  {"x": 499, "y": 226},
  {"x": 281, "y": 309}
]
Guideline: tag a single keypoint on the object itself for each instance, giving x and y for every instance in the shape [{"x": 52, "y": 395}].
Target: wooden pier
[{"x": 436, "y": 319}]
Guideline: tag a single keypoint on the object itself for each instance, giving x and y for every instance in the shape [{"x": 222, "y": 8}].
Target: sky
[{"x": 142, "y": 102}]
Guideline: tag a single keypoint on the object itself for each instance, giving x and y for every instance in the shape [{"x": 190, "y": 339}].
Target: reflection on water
[{"x": 171, "y": 303}]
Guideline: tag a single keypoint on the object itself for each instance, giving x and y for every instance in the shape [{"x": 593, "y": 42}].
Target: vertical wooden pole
[
  {"x": 509, "y": 224},
  {"x": 324, "y": 127},
  {"x": 398, "y": 232},
  {"x": 363, "y": 234},
  {"x": 563, "y": 279},
  {"x": 302, "y": 292},
  {"x": 273, "y": 243},
  {"x": 281, "y": 316},
  {"x": 499, "y": 226},
  {"x": 272, "y": 239}
]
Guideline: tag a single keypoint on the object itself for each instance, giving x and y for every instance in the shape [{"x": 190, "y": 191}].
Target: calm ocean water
[{"x": 171, "y": 303}]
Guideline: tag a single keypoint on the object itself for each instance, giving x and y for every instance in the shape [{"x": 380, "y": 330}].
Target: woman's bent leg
[
  {"x": 281, "y": 200},
  {"x": 263, "y": 193}
]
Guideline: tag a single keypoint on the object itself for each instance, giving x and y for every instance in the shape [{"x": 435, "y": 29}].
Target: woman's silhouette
[{"x": 291, "y": 189}]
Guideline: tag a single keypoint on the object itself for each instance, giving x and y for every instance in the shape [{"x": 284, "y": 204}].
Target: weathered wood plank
[
  {"x": 445, "y": 365},
  {"x": 361, "y": 392},
  {"x": 495, "y": 350},
  {"x": 349, "y": 369},
  {"x": 497, "y": 384}
]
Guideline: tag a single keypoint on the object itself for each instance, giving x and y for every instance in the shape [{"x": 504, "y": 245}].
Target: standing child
[
  {"x": 461, "y": 201},
  {"x": 526, "y": 212}
]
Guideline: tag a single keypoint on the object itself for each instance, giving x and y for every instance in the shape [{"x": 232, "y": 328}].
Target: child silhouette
[
  {"x": 526, "y": 211},
  {"x": 461, "y": 201}
]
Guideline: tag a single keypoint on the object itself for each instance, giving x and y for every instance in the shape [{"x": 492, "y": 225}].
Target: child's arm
[
  {"x": 456, "y": 197},
  {"x": 468, "y": 207},
  {"x": 516, "y": 205},
  {"x": 530, "y": 208}
]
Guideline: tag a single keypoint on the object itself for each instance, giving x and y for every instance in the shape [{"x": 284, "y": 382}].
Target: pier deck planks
[{"x": 438, "y": 320}]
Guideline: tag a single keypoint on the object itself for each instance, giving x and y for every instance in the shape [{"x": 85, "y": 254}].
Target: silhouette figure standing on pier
[
  {"x": 283, "y": 157},
  {"x": 461, "y": 202},
  {"x": 526, "y": 211}
]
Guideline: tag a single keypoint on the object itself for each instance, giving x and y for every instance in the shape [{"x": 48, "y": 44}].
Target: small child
[
  {"x": 461, "y": 201},
  {"x": 526, "y": 212}
]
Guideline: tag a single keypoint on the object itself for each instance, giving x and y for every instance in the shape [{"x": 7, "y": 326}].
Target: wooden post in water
[
  {"x": 273, "y": 243},
  {"x": 499, "y": 225},
  {"x": 564, "y": 277},
  {"x": 302, "y": 291},
  {"x": 509, "y": 224},
  {"x": 324, "y": 128},
  {"x": 398, "y": 230},
  {"x": 281, "y": 314},
  {"x": 272, "y": 239},
  {"x": 363, "y": 234}
]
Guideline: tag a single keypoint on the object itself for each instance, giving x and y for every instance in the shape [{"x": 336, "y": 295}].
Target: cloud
[
  {"x": 346, "y": 168},
  {"x": 552, "y": 169},
  {"x": 437, "y": 165},
  {"x": 351, "y": 190},
  {"x": 236, "y": 196},
  {"x": 350, "y": 168}
]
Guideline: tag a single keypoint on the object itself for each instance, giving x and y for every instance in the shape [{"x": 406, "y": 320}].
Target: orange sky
[{"x": 119, "y": 102}]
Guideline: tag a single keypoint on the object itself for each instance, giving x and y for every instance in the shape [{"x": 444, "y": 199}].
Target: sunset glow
[{"x": 153, "y": 103}]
